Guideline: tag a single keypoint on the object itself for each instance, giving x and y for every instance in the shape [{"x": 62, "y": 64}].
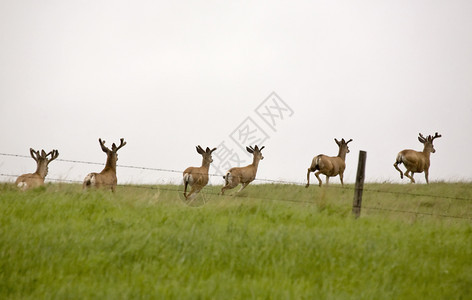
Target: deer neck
[
  {"x": 110, "y": 164},
  {"x": 342, "y": 154},
  {"x": 255, "y": 162},
  {"x": 427, "y": 152},
  {"x": 42, "y": 169},
  {"x": 205, "y": 164}
]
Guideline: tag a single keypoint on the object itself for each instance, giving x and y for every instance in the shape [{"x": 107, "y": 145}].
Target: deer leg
[
  {"x": 426, "y": 175},
  {"x": 396, "y": 167},
  {"x": 193, "y": 193},
  {"x": 185, "y": 189},
  {"x": 226, "y": 187},
  {"x": 308, "y": 178},
  {"x": 341, "y": 175},
  {"x": 230, "y": 183},
  {"x": 243, "y": 186},
  {"x": 327, "y": 179},
  {"x": 317, "y": 174},
  {"x": 407, "y": 174}
]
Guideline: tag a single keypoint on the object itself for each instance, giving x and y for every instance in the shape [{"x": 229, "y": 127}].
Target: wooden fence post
[{"x": 357, "y": 203}]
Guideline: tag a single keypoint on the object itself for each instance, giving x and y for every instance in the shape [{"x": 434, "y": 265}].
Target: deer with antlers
[
  {"x": 415, "y": 161},
  {"x": 107, "y": 177},
  {"x": 244, "y": 175},
  {"x": 330, "y": 165},
  {"x": 36, "y": 179},
  {"x": 197, "y": 177}
]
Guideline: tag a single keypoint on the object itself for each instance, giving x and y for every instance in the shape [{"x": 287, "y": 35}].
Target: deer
[
  {"x": 36, "y": 179},
  {"x": 107, "y": 177},
  {"x": 329, "y": 165},
  {"x": 244, "y": 175},
  {"x": 415, "y": 161},
  {"x": 197, "y": 177}
]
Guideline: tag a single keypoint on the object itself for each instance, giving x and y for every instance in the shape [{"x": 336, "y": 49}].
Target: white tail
[
  {"x": 107, "y": 177},
  {"x": 197, "y": 177},
  {"x": 32, "y": 180},
  {"x": 330, "y": 166},
  {"x": 243, "y": 175},
  {"x": 415, "y": 161}
]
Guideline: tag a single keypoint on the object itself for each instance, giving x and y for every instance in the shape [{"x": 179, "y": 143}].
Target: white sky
[{"x": 168, "y": 76}]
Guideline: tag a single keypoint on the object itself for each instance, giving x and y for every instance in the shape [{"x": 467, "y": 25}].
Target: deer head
[
  {"x": 207, "y": 159},
  {"x": 428, "y": 142},
  {"x": 343, "y": 147},
  {"x": 42, "y": 160},
  {"x": 112, "y": 156},
  {"x": 256, "y": 152}
]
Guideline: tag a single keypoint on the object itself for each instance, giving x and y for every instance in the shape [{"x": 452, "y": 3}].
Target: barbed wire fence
[{"x": 286, "y": 198}]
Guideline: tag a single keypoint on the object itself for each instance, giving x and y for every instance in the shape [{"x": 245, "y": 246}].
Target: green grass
[{"x": 269, "y": 242}]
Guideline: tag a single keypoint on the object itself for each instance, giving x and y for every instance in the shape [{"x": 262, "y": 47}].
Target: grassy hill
[{"x": 271, "y": 241}]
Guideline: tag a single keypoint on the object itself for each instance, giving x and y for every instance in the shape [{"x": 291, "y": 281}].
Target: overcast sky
[{"x": 294, "y": 75}]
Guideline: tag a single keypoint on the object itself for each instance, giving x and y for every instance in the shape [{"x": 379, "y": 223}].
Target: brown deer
[
  {"x": 36, "y": 179},
  {"x": 107, "y": 177},
  {"x": 197, "y": 177},
  {"x": 244, "y": 175},
  {"x": 415, "y": 161},
  {"x": 330, "y": 165}
]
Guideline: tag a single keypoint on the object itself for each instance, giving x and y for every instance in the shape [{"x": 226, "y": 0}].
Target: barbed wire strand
[{"x": 348, "y": 187}]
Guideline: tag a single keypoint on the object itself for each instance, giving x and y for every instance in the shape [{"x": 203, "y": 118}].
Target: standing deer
[
  {"x": 107, "y": 177},
  {"x": 330, "y": 165},
  {"x": 244, "y": 175},
  {"x": 197, "y": 177},
  {"x": 415, "y": 161},
  {"x": 36, "y": 179}
]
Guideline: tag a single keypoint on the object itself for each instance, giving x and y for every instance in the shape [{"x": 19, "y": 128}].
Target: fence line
[
  {"x": 257, "y": 179},
  {"x": 265, "y": 198}
]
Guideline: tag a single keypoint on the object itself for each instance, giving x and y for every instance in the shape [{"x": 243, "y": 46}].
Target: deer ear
[
  {"x": 262, "y": 148},
  {"x": 249, "y": 150},
  {"x": 43, "y": 153},
  {"x": 421, "y": 140},
  {"x": 337, "y": 142},
  {"x": 212, "y": 150}
]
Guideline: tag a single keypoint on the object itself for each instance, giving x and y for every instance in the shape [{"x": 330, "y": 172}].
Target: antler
[
  {"x": 251, "y": 149},
  {"x": 34, "y": 154},
  {"x": 200, "y": 149},
  {"x": 54, "y": 155},
  {"x": 122, "y": 143},
  {"x": 436, "y": 135},
  {"x": 421, "y": 138},
  {"x": 102, "y": 144}
]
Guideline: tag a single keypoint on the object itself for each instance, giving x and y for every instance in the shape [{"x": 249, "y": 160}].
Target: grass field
[{"x": 270, "y": 242}]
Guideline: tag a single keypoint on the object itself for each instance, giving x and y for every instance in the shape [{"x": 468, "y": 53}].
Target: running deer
[
  {"x": 415, "y": 161},
  {"x": 36, "y": 179},
  {"x": 330, "y": 165},
  {"x": 107, "y": 177},
  {"x": 244, "y": 175},
  {"x": 197, "y": 177}
]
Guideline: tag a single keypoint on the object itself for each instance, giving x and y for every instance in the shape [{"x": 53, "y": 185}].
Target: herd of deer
[{"x": 197, "y": 177}]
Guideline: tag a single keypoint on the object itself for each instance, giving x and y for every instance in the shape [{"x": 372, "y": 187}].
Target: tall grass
[{"x": 271, "y": 241}]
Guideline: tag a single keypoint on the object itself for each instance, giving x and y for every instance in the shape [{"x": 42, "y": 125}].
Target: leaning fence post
[{"x": 356, "y": 205}]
